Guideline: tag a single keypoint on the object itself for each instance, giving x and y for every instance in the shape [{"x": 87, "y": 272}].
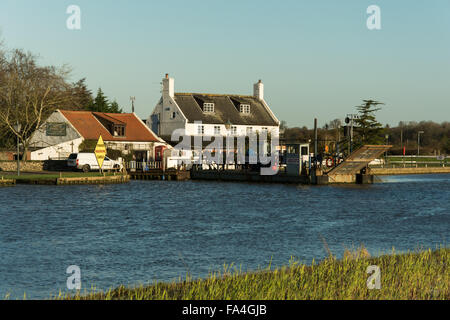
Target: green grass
[{"x": 412, "y": 275}]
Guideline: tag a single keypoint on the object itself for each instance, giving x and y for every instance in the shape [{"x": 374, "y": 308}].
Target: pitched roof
[
  {"x": 226, "y": 109},
  {"x": 88, "y": 124}
]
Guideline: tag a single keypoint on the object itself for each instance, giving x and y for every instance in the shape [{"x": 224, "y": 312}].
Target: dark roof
[{"x": 226, "y": 109}]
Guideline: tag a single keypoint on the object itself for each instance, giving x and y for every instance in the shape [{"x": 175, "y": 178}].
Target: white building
[
  {"x": 64, "y": 131},
  {"x": 203, "y": 114}
]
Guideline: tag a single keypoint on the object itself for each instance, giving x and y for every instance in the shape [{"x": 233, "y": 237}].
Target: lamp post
[
  {"x": 418, "y": 142},
  {"x": 387, "y": 142},
  {"x": 17, "y": 128}
]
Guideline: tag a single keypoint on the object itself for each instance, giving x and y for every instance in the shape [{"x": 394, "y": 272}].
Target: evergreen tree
[
  {"x": 115, "y": 108},
  {"x": 83, "y": 99},
  {"x": 369, "y": 130},
  {"x": 101, "y": 103}
]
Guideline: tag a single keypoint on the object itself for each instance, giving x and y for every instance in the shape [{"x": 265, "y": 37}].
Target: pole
[
  {"x": 403, "y": 148},
  {"x": 351, "y": 135},
  {"x": 18, "y": 157},
  {"x": 387, "y": 142},
  {"x": 315, "y": 138},
  {"x": 18, "y": 150},
  {"x": 418, "y": 142}
]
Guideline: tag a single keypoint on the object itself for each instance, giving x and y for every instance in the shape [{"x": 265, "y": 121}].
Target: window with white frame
[
  {"x": 208, "y": 107},
  {"x": 234, "y": 130},
  {"x": 249, "y": 130},
  {"x": 245, "y": 108},
  {"x": 201, "y": 129},
  {"x": 216, "y": 129}
]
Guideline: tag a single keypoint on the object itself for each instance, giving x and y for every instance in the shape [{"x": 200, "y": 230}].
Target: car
[{"x": 88, "y": 162}]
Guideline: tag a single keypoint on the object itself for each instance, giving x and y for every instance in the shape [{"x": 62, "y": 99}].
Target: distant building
[
  {"x": 219, "y": 114},
  {"x": 64, "y": 131}
]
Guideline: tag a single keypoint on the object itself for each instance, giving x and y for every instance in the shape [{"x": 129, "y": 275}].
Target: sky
[{"x": 317, "y": 59}]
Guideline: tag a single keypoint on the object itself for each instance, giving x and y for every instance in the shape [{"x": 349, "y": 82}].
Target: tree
[
  {"x": 83, "y": 99},
  {"x": 369, "y": 130},
  {"x": 114, "y": 107},
  {"x": 335, "y": 124},
  {"x": 101, "y": 104},
  {"x": 283, "y": 126},
  {"x": 29, "y": 93}
]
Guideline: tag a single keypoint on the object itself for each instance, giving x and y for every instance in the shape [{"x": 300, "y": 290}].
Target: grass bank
[
  {"x": 44, "y": 176},
  {"x": 414, "y": 275}
]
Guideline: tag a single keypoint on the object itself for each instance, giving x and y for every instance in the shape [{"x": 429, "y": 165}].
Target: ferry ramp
[{"x": 359, "y": 159}]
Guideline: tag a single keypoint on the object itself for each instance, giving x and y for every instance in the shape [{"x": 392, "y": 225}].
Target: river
[{"x": 158, "y": 230}]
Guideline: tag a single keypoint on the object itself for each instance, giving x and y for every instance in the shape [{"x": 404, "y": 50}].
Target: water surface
[{"x": 156, "y": 230}]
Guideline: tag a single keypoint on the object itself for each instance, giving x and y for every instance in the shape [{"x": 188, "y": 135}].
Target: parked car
[{"x": 88, "y": 162}]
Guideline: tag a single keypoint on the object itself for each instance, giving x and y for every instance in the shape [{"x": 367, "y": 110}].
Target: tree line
[
  {"x": 30, "y": 93},
  {"x": 334, "y": 136}
]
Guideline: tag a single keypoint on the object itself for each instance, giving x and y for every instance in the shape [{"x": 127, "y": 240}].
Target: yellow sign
[{"x": 100, "y": 152}]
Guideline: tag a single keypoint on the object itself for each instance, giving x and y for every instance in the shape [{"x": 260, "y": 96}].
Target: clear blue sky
[{"x": 316, "y": 58}]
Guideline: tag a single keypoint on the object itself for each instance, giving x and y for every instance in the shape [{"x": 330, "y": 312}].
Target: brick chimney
[{"x": 258, "y": 90}]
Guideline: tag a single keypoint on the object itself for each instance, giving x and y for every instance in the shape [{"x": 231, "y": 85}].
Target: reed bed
[{"x": 414, "y": 275}]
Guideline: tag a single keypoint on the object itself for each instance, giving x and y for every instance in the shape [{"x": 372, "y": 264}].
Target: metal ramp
[{"x": 359, "y": 159}]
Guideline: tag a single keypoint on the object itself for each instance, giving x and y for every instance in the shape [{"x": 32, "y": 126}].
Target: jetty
[
  {"x": 353, "y": 170},
  {"x": 159, "y": 174},
  {"x": 247, "y": 176},
  {"x": 54, "y": 180}
]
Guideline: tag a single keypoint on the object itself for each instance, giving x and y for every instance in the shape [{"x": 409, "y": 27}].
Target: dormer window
[
  {"x": 245, "y": 108},
  {"x": 208, "y": 107},
  {"x": 119, "y": 131}
]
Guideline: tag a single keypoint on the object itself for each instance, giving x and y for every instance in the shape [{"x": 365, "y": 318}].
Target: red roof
[{"x": 88, "y": 125}]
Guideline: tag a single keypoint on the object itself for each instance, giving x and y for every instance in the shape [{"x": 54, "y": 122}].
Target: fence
[
  {"x": 143, "y": 166},
  {"x": 412, "y": 162}
]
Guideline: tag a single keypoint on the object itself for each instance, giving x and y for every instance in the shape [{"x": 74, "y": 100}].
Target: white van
[{"x": 88, "y": 162}]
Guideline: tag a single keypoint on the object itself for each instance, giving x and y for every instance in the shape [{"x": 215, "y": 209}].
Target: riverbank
[
  {"x": 419, "y": 275},
  {"x": 64, "y": 178},
  {"x": 7, "y": 182},
  {"x": 406, "y": 171}
]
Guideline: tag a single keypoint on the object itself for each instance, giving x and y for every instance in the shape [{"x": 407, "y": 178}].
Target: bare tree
[{"x": 30, "y": 93}]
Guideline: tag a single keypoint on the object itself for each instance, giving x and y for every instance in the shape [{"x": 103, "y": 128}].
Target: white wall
[
  {"x": 167, "y": 106},
  {"x": 168, "y": 124},
  {"x": 192, "y": 129},
  {"x": 62, "y": 150},
  {"x": 40, "y": 138}
]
